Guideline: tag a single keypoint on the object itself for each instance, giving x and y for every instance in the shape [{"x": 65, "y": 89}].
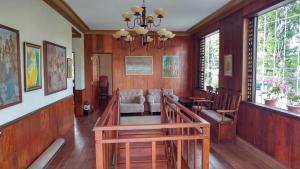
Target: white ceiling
[{"x": 181, "y": 14}]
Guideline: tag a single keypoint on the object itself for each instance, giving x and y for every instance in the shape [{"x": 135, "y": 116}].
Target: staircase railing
[{"x": 182, "y": 130}]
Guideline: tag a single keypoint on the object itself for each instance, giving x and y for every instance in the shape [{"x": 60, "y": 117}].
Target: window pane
[
  {"x": 278, "y": 50},
  {"x": 212, "y": 60}
]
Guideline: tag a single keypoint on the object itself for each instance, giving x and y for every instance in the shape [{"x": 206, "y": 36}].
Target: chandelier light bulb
[
  {"x": 150, "y": 18},
  {"x": 160, "y": 12},
  {"x": 129, "y": 38},
  {"x": 137, "y": 10},
  {"x": 162, "y": 32},
  {"x": 149, "y": 39},
  {"x": 141, "y": 31},
  {"x": 127, "y": 16},
  {"x": 123, "y": 33},
  {"x": 116, "y": 35}
]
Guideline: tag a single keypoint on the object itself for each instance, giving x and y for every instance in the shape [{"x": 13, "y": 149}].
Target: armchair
[
  {"x": 132, "y": 101},
  {"x": 153, "y": 98}
]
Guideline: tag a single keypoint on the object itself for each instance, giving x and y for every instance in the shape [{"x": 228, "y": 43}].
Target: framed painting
[
  {"x": 170, "y": 66},
  {"x": 69, "y": 68},
  {"x": 228, "y": 65},
  {"x": 54, "y": 67},
  {"x": 139, "y": 65},
  {"x": 32, "y": 67},
  {"x": 10, "y": 71}
]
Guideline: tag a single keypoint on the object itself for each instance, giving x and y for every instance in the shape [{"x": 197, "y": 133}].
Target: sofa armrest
[
  {"x": 150, "y": 99},
  {"x": 141, "y": 99},
  {"x": 174, "y": 97}
]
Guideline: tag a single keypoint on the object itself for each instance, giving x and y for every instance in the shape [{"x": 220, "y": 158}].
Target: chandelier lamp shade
[{"x": 141, "y": 27}]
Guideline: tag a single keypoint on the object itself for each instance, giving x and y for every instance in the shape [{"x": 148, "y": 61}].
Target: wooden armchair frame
[{"x": 226, "y": 103}]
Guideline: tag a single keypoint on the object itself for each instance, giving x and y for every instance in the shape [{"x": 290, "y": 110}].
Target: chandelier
[{"x": 141, "y": 27}]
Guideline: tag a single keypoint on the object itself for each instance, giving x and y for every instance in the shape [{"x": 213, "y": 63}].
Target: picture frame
[
  {"x": 170, "y": 66},
  {"x": 138, "y": 65},
  {"x": 32, "y": 67},
  {"x": 69, "y": 68},
  {"x": 228, "y": 65},
  {"x": 10, "y": 66},
  {"x": 55, "y": 73}
]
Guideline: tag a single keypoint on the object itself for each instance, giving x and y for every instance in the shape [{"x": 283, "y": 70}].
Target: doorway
[{"x": 106, "y": 69}]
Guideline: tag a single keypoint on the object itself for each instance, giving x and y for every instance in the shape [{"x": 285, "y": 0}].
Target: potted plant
[
  {"x": 275, "y": 91},
  {"x": 293, "y": 103}
]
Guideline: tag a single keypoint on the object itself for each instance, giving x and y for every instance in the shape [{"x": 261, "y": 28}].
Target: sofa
[
  {"x": 153, "y": 98},
  {"x": 132, "y": 101}
]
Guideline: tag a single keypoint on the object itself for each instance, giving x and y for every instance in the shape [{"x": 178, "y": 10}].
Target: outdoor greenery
[
  {"x": 211, "y": 77},
  {"x": 278, "y": 48}
]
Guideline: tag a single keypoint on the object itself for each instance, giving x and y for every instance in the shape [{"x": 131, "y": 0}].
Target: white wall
[
  {"x": 78, "y": 49},
  {"x": 36, "y": 21},
  {"x": 106, "y": 69}
]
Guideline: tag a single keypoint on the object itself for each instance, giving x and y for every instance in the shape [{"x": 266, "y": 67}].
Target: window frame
[
  {"x": 201, "y": 59},
  {"x": 254, "y": 42}
]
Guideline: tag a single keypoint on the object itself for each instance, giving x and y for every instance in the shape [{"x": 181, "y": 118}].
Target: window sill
[{"x": 276, "y": 110}]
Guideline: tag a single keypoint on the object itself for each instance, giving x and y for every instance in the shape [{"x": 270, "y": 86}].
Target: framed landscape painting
[
  {"x": 139, "y": 65},
  {"x": 170, "y": 66},
  {"x": 55, "y": 67},
  {"x": 10, "y": 71},
  {"x": 32, "y": 67}
]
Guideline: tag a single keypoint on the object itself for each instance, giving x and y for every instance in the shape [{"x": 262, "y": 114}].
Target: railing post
[
  {"x": 179, "y": 154},
  {"x": 99, "y": 150},
  {"x": 153, "y": 155},
  {"x": 127, "y": 155},
  {"x": 205, "y": 148}
]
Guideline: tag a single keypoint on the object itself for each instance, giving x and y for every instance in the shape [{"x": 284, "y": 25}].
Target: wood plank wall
[
  {"x": 93, "y": 44},
  {"x": 24, "y": 140},
  {"x": 275, "y": 134},
  {"x": 181, "y": 47},
  {"x": 181, "y": 85}
]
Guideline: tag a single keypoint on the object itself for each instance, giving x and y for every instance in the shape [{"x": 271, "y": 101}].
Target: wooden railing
[{"x": 182, "y": 130}]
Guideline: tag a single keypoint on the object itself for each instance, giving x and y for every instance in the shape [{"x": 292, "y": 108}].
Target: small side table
[{"x": 186, "y": 102}]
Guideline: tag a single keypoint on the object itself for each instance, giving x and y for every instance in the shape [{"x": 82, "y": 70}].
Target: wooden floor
[{"x": 79, "y": 151}]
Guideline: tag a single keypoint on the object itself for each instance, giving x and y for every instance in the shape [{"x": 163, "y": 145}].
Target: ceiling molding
[
  {"x": 75, "y": 33},
  {"x": 178, "y": 33},
  {"x": 226, "y": 10},
  {"x": 66, "y": 11}
]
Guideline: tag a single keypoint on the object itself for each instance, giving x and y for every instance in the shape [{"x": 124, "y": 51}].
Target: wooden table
[{"x": 186, "y": 102}]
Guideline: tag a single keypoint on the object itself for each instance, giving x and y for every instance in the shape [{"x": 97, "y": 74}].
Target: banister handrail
[
  {"x": 151, "y": 126},
  {"x": 186, "y": 110},
  {"x": 179, "y": 127}
]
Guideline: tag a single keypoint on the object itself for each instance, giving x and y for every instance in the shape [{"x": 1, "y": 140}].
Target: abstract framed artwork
[
  {"x": 10, "y": 71},
  {"x": 69, "y": 68},
  {"x": 32, "y": 67},
  {"x": 138, "y": 65},
  {"x": 170, "y": 66},
  {"x": 228, "y": 65},
  {"x": 54, "y": 67}
]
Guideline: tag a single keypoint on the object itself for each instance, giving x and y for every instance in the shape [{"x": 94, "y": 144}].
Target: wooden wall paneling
[
  {"x": 79, "y": 102},
  {"x": 180, "y": 85},
  {"x": 24, "y": 140},
  {"x": 271, "y": 132},
  {"x": 295, "y": 144},
  {"x": 107, "y": 43}
]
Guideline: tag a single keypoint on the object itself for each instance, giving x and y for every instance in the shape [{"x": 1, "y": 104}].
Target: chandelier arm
[
  {"x": 139, "y": 20},
  {"x": 130, "y": 27},
  {"x": 158, "y": 24}
]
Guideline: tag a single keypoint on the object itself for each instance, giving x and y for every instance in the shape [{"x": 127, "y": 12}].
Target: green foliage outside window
[
  {"x": 211, "y": 77},
  {"x": 278, "y": 47}
]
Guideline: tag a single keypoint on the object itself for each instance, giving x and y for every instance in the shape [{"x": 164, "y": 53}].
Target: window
[
  {"x": 209, "y": 61},
  {"x": 278, "y": 52}
]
